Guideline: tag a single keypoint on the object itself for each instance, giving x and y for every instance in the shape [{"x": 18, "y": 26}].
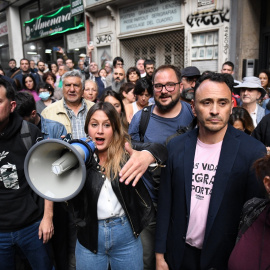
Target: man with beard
[
  {"x": 166, "y": 116},
  {"x": 149, "y": 66},
  {"x": 189, "y": 76},
  {"x": 41, "y": 68},
  {"x": 118, "y": 80},
  {"x": 12, "y": 67}
]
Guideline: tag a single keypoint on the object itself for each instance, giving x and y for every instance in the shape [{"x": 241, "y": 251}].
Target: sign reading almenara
[{"x": 52, "y": 23}]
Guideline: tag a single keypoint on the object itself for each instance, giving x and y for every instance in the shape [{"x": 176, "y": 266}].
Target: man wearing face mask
[{"x": 188, "y": 79}]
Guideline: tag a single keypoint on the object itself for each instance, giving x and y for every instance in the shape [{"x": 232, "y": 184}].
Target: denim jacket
[{"x": 52, "y": 129}]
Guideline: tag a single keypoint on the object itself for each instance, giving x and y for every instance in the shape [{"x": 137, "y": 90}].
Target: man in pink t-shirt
[{"x": 207, "y": 180}]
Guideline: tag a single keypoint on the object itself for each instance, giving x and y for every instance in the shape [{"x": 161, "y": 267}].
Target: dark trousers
[
  {"x": 148, "y": 242},
  {"x": 192, "y": 258}
]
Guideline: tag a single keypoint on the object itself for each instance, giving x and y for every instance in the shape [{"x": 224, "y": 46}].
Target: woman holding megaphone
[{"x": 111, "y": 214}]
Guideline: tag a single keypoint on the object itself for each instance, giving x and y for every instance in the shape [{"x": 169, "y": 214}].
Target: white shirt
[
  {"x": 254, "y": 116},
  {"x": 108, "y": 205}
]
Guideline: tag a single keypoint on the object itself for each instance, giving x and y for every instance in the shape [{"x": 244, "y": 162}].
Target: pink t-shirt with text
[{"x": 204, "y": 170}]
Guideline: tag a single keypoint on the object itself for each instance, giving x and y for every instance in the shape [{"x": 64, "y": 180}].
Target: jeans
[
  {"x": 27, "y": 240},
  {"x": 117, "y": 246}
]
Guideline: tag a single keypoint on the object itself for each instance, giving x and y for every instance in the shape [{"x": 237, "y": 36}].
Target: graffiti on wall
[
  {"x": 213, "y": 17},
  {"x": 226, "y": 40}
]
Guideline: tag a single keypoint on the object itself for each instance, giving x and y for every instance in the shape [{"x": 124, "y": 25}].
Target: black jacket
[
  {"x": 135, "y": 201},
  {"x": 262, "y": 131}
]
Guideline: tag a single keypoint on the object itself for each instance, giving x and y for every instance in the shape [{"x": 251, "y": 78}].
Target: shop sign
[
  {"x": 76, "y": 7},
  {"x": 76, "y": 40},
  {"x": 150, "y": 14},
  {"x": 52, "y": 23},
  {"x": 3, "y": 29}
]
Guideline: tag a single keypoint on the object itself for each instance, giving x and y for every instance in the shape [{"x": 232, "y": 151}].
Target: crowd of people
[{"x": 173, "y": 182}]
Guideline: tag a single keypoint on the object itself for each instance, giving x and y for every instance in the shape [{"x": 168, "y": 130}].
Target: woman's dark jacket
[{"x": 135, "y": 201}]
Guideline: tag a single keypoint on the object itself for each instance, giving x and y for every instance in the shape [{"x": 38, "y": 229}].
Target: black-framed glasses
[{"x": 170, "y": 86}]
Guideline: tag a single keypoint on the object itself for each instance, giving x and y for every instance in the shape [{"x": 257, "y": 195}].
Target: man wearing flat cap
[
  {"x": 250, "y": 91},
  {"x": 189, "y": 76}
]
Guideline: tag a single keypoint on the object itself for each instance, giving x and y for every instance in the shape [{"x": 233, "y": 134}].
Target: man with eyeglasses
[
  {"x": 166, "y": 116},
  {"x": 189, "y": 77}
]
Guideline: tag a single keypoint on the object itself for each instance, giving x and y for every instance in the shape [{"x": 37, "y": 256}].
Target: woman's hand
[{"x": 136, "y": 165}]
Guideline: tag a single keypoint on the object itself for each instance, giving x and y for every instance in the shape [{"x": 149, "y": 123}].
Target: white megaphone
[{"x": 56, "y": 170}]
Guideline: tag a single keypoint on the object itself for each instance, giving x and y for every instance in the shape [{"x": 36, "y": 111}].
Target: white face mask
[{"x": 44, "y": 95}]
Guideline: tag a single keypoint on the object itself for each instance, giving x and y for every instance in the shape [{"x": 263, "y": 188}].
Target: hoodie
[{"x": 19, "y": 205}]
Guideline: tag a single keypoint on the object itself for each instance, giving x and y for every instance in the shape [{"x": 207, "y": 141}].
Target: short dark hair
[
  {"x": 215, "y": 77},
  {"x": 142, "y": 85},
  {"x": 148, "y": 62},
  {"x": 164, "y": 67},
  {"x": 40, "y": 61},
  {"x": 132, "y": 69},
  {"x": 12, "y": 59},
  {"x": 10, "y": 92},
  {"x": 126, "y": 87},
  {"x": 25, "y": 60},
  {"x": 52, "y": 63},
  {"x": 117, "y": 58},
  {"x": 25, "y": 103},
  {"x": 47, "y": 74},
  {"x": 47, "y": 86},
  {"x": 228, "y": 63}
]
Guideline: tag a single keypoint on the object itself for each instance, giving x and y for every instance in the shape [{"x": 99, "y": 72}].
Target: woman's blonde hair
[{"x": 116, "y": 151}]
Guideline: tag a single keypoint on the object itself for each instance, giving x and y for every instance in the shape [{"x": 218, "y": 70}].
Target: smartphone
[
  {"x": 91, "y": 43},
  {"x": 56, "y": 49}
]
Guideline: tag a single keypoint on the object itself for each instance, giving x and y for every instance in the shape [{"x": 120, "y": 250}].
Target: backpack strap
[
  {"x": 25, "y": 135},
  {"x": 146, "y": 112}
]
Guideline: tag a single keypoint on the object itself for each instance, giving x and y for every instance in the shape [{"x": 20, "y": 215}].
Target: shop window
[
  {"x": 204, "y": 50},
  {"x": 161, "y": 48}
]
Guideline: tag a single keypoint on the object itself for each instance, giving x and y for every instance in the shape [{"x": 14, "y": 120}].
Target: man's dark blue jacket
[{"x": 234, "y": 184}]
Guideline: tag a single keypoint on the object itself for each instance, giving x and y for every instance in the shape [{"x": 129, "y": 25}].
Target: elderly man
[
  {"x": 71, "y": 111},
  {"x": 118, "y": 80},
  {"x": 140, "y": 67},
  {"x": 251, "y": 91}
]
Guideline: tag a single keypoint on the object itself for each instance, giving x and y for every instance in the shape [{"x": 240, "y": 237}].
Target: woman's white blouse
[{"x": 108, "y": 205}]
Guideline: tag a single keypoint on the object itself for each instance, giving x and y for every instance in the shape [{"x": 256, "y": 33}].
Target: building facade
[{"x": 204, "y": 33}]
